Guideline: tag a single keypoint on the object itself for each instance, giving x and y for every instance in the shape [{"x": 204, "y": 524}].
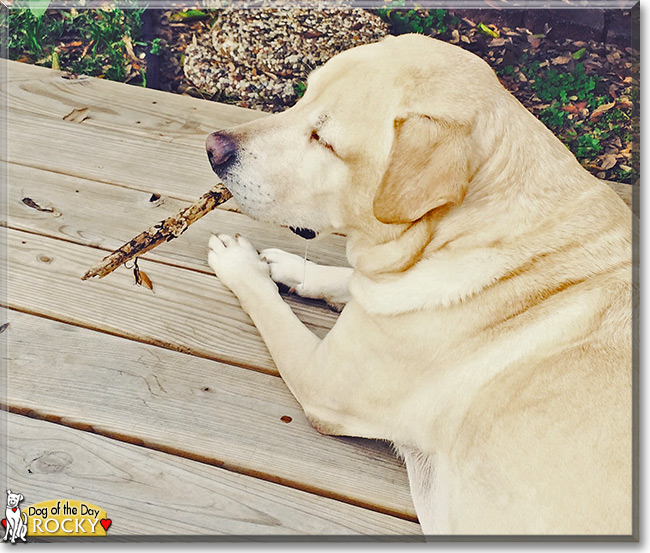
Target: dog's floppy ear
[
  {"x": 21, "y": 497},
  {"x": 428, "y": 168}
]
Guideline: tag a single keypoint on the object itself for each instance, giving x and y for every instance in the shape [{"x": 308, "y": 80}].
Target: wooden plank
[
  {"x": 223, "y": 415},
  {"x": 172, "y": 133},
  {"x": 133, "y": 110},
  {"x": 147, "y": 493},
  {"x": 143, "y": 163},
  {"x": 106, "y": 216},
  {"x": 188, "y": 311}
]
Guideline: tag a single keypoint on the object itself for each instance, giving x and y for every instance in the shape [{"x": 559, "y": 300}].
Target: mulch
[{"x": 509, "y": 50}]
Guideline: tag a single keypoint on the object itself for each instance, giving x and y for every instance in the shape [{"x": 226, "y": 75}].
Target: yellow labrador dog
[{"x": 487, "y": 326}]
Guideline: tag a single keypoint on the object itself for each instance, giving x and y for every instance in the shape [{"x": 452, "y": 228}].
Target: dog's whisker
[{"x": 304, "y": 267}]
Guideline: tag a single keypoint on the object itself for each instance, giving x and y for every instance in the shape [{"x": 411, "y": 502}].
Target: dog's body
[
  {"x": 487, "y": 330},
  {"x": 16, "y": 520}
]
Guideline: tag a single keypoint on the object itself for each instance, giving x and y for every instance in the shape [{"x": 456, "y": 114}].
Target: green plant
[
  {"x": 156, "y": 46},
  {"x": 300, "y": 88},
  {"x": 569, "y": 93},
  {"x": 587, "y": 145},
  {"x": 420, "y": 21},
  {"x": 553, "y": 116},
  {"x": 551, "y": 84},
  {"x": 91, "y": 42}
]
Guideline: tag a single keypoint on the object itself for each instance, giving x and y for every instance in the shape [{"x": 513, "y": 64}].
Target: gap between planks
[
  {"x": 199, "y": 498},
  {"x": 207, "y": 460},
  {"x": 189, "y": 311},
  {"x": 242, "y": 412}
]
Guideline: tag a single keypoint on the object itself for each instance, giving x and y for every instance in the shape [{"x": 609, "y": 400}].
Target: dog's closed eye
[{"x": 317, "y": 138}]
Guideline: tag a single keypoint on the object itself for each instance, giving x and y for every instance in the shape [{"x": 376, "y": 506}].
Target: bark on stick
[{"x": 164, "y": 231}]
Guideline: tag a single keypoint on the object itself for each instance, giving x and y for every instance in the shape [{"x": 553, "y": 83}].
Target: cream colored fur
[{"x": 487, "y": 331}]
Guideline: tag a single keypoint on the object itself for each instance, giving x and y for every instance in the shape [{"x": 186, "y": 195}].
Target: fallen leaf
[
  {"x": 578, "y": 54},
  {"x": 624, "y": 103},
  {"x": 602, "y": 109},
  {"x": 188, "y": 16},
  {"x": 482, "y": 28},
  {"x": 608, "y": 162},
  {"x": 85, "y": 51},
  {"x": 4, "y": 327},
  {"x": 496, "y": 42},
  {"x": 561, "y": 60},
  {"x": 77, "y": 115},
  {"x": 128, "y": 45}
]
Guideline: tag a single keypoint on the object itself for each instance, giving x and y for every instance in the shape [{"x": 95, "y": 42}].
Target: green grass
[
  {"x": 90, "y": 42},
  {"x": 402, "y": 20}
]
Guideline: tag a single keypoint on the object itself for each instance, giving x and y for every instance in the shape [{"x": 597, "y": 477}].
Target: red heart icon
[
  {"x": 105, "y": 522},
  {"x": 14, "y": 509},
  {"x": 4, "y": 522}
]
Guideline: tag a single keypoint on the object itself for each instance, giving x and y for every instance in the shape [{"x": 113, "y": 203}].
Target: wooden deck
[{"x": 164, "y": 408}]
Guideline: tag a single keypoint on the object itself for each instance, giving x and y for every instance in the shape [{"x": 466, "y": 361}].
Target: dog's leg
[
  {"x": 308, "y": 366},
  {"x": 308, "y": 279}
]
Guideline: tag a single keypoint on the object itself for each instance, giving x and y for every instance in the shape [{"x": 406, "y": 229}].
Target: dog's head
[
  {"x": 383, "y": 135},
  {"x": 13, "y": 499}
]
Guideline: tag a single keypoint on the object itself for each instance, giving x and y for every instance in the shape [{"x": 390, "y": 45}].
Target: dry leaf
[
  {"x": 77, "y": 115},
  {"x": 496, "y": 42},
  {"x": 561, "y": 60},
  {"x": 141, "y": 278},
  {"x": 602, "y": 109},
  {"x": 608, "y": 162},
  {"x": 128, "y": 45},
  {"x": 144, "y": 280},
  {"x": 624, "y": 103}
]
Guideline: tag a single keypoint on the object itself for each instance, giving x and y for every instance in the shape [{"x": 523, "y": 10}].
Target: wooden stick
[{"x": 164, "y": 231}]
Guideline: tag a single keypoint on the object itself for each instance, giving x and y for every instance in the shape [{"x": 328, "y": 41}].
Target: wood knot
[{"x": 51, "y": 462}]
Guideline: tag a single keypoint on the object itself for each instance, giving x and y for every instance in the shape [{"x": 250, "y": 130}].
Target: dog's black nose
[{"x": 222, "y": 151}]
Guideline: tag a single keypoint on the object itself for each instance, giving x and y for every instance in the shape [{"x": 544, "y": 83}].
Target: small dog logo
[{"x": 16, "y": 520}]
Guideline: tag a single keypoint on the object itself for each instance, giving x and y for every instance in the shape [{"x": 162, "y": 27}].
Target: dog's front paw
[
  {"x": 236, "y": 262},
  {"x": 286, "y": 268}
]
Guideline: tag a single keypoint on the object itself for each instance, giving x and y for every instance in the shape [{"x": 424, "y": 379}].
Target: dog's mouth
[{"x": 305, "y": 233}]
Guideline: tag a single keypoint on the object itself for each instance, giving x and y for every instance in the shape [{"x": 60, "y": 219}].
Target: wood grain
[
  {"x": 112, "y": 106},
  {"x": 199, "y": 409},
  {"x": 145, "y": 163},
  {"x": 147, "y": 493},
  {"x": 135, "y": 127},
  {"x": 187, "y": 311},
  {"x": 113, "y": 214}
]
